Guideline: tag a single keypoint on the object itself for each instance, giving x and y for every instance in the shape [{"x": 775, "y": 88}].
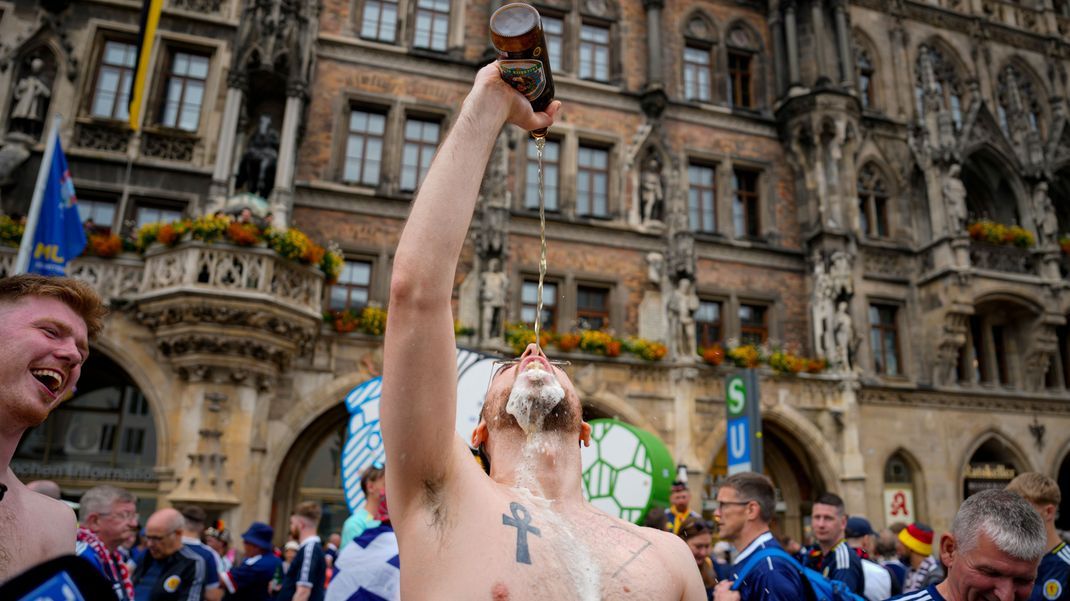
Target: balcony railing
[
  {"x": 196, "y": 266},
  {"x": 113, "y": 279},
  {"x": 1009, "y": 259}
]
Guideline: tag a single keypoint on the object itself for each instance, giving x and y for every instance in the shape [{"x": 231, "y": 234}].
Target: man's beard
[{"x": 540, "y": 402}]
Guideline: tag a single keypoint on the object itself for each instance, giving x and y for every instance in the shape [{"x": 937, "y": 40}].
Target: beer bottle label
[{"x": 527, "y": 76}]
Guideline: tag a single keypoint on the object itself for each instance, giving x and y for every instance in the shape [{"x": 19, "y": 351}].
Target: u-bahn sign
[
  {"x": 744, "y": 432},
  {"x": 625, "y": 469}
]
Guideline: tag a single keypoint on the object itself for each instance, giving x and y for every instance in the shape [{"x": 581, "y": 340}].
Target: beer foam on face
[{"x": 534, "y": 395}]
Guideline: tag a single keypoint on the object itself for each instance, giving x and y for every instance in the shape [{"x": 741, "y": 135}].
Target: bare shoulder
[
  {"x": 673, "y": 547},
  {"x": 62, "y": 523}
]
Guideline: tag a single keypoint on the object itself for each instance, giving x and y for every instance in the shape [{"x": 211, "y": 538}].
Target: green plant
[
  {"x": 648, "y": 350},
  {"x": 332, "y": 262},
  {"x": 10, "y": 231},
  {"x": 373, "y": 321},
  {"x": 518, "y": 336},
  {"x": 209, "y": 228}
]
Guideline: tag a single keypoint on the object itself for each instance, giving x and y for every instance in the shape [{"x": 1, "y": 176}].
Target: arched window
[
  {"x": 1017, "y": 96},
  {"x": 742, "y": 53},
  {"x": 700, "y": 37},
  {"x": 935, "y": 73},
  {"x": 872, "y": 202}
]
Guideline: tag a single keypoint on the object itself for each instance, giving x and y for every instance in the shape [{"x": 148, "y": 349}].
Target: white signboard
[{"x": 898, "y": 504}]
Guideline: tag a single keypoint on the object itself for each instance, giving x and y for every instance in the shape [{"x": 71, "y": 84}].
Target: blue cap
[
  {"x": 858, "y": 526},
  {"x": 259, "y": 534}
]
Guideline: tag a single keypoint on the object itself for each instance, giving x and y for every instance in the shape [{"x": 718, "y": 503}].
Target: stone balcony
[
  {"x": 1008, "y": 259},
  {"x": 218, "y": 311}
]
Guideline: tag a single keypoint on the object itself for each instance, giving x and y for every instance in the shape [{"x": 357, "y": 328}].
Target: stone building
[{"x": 808, "y": 169}]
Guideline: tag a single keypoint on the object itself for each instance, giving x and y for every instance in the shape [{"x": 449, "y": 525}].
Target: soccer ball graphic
[{"x": 625, "y": 470}]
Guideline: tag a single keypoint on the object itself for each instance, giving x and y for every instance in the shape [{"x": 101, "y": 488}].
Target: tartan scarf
[{"x": 115, "y": 569}]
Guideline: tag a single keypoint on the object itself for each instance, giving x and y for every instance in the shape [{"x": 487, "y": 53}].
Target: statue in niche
[
  {"x": 31, "y": 100},
  {"x": 1044, "y": 215},
  {"x": 840, "y": 275},
  {"x": 955, "y": 200},
  {"x": 492, "y": 238},
  {"x": 844, "y": 334},
  {"x": 655, "y": 267},
  {"x": 495, "y": 285},
  {"x": 256, "y": 172},
  {"x": 682, "y": 306},
  {"x": 652, "y": 192},
  {"x": 823, "y": 308}
]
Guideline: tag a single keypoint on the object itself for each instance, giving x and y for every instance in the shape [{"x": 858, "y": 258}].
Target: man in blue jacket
[
  {"x": 249, "y": 580},
  {"x": 745, "y": 505},
  {"x": 832, "y": 557}
]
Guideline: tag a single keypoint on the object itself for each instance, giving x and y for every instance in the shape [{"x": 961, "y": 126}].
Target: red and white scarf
[{"x": 114, "y": 569}]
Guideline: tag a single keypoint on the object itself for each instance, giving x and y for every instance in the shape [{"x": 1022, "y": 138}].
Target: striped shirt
[
  {"x": 1052, "y": 576},
  {"x": 841, "y": 563},
  {"x": 308, "y": 570}
]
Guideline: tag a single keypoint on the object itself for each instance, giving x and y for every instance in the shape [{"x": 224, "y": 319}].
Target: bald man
[{"x": 170, "y": 570}]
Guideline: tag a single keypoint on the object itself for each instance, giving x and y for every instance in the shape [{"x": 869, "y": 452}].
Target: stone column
[
  {"x": 843, "y": 45},
  {"x": 817, "y": 21},
  {"x": 683, "y": 388},
  {"x": 653, "y": 40},
  {"x": 282, "y": 195},
  {"x": 792, "y": 37},
  {"x": 224, "y": 158},
  {"x": 777, "y": 27}
]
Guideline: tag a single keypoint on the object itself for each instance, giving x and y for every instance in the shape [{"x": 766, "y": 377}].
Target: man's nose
[
  {"x": 68, "y": 350},
  {"x": 1005, "y": 590},
  {"x": 532, "y": 349}
]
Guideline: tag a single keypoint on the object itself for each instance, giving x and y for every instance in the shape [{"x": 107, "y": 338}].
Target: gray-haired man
[
  {"x": 992, "y": 551},
  {"x": 108, "y": 514}
]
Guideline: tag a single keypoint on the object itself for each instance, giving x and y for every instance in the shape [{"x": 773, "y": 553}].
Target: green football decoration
[{"x": 626, "y": 470}]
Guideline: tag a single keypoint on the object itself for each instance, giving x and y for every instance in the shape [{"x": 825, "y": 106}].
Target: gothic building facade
[{"x": 881, "y": 185}]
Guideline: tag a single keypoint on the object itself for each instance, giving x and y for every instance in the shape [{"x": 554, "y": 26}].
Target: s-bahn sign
[{"x": 744, "y": 432}]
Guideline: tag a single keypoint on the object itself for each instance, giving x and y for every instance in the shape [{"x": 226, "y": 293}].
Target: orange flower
[{"x": 167, "y": 235}]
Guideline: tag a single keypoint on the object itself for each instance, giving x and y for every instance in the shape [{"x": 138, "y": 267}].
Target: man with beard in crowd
[{"x": 524, "y": 532}]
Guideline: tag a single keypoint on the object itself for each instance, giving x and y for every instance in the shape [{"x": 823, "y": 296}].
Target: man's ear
[
  {"x": 585, "y": 434},
  {"x": 480, "y": 434},
  {"x": 948, "y": 547},
  {"x": 1048, "y": 513}
]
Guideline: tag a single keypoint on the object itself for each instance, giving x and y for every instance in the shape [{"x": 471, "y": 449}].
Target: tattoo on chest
[{"x": 521, "y": 520}]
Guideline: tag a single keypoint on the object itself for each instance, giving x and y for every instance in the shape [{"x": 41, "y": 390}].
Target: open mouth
[{"x": 50, "y": 378}]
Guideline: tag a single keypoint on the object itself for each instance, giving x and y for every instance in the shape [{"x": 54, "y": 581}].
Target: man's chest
[{"x": 522, "y": 551}]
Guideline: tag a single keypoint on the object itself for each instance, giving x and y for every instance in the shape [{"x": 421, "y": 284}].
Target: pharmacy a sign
[{"x": 744, "y": 432}]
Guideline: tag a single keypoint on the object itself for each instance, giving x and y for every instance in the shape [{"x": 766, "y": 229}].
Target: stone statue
[
  {"x": 1044, "y": 215},
  {"x": 31, "y": 99},
  {"x": 494, "y": 287},
  {"x": 955, "y": 201},
  {"x": 493, "y": 231},
  {"x": 652, "y": 192},
  {"x": 682, "y": 306},
  {"x": 823, "y": 308},
  {"x": 655, "y": 267},
  {"x": 840, "y": 275},
  {"x": 257, "y": 169},
  {"x": 844, "y": 332}
]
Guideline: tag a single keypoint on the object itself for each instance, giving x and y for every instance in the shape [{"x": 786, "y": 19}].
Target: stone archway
[
  {"x": 799, "y": 473},
  {"x": 991, "y": 462},
  {"x": 311, "y": 472}
]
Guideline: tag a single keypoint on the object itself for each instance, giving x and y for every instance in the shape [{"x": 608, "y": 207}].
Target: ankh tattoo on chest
[{"x": 521, "y": 520}]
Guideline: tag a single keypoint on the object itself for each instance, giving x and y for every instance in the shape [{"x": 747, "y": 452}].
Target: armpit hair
[{"x": 434, "y": 501}]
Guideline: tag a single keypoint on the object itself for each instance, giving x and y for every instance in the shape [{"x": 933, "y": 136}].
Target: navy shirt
[
  {"x": 308, "y": 569},
  {"x": 925, "y": 594},
  {"x": 211, "y": 561},
  {"x": 1052, "y": 575},
  {"x": 841, "y": 563},
  {"x": 178, "y": 577},
  {"x": 251, "y": 577},
  {"x": 775, "y": 579}
]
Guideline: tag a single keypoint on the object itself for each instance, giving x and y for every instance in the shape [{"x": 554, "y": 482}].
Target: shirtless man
[
  {"x": 45, "y": 324},
  {"x": 524, "y": 532}
]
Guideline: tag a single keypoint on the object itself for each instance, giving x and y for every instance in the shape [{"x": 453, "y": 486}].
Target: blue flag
[{"x": 60, "y": 236}]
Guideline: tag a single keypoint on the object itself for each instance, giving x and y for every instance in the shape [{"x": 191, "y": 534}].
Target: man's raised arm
[{"x": 419, "y": 407}]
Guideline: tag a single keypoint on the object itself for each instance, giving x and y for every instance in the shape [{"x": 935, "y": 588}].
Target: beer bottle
[{"x": 523, "y": 60}]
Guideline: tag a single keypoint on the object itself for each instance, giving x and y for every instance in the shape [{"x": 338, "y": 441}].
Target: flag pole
[{"x": 22, "y": 261}]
